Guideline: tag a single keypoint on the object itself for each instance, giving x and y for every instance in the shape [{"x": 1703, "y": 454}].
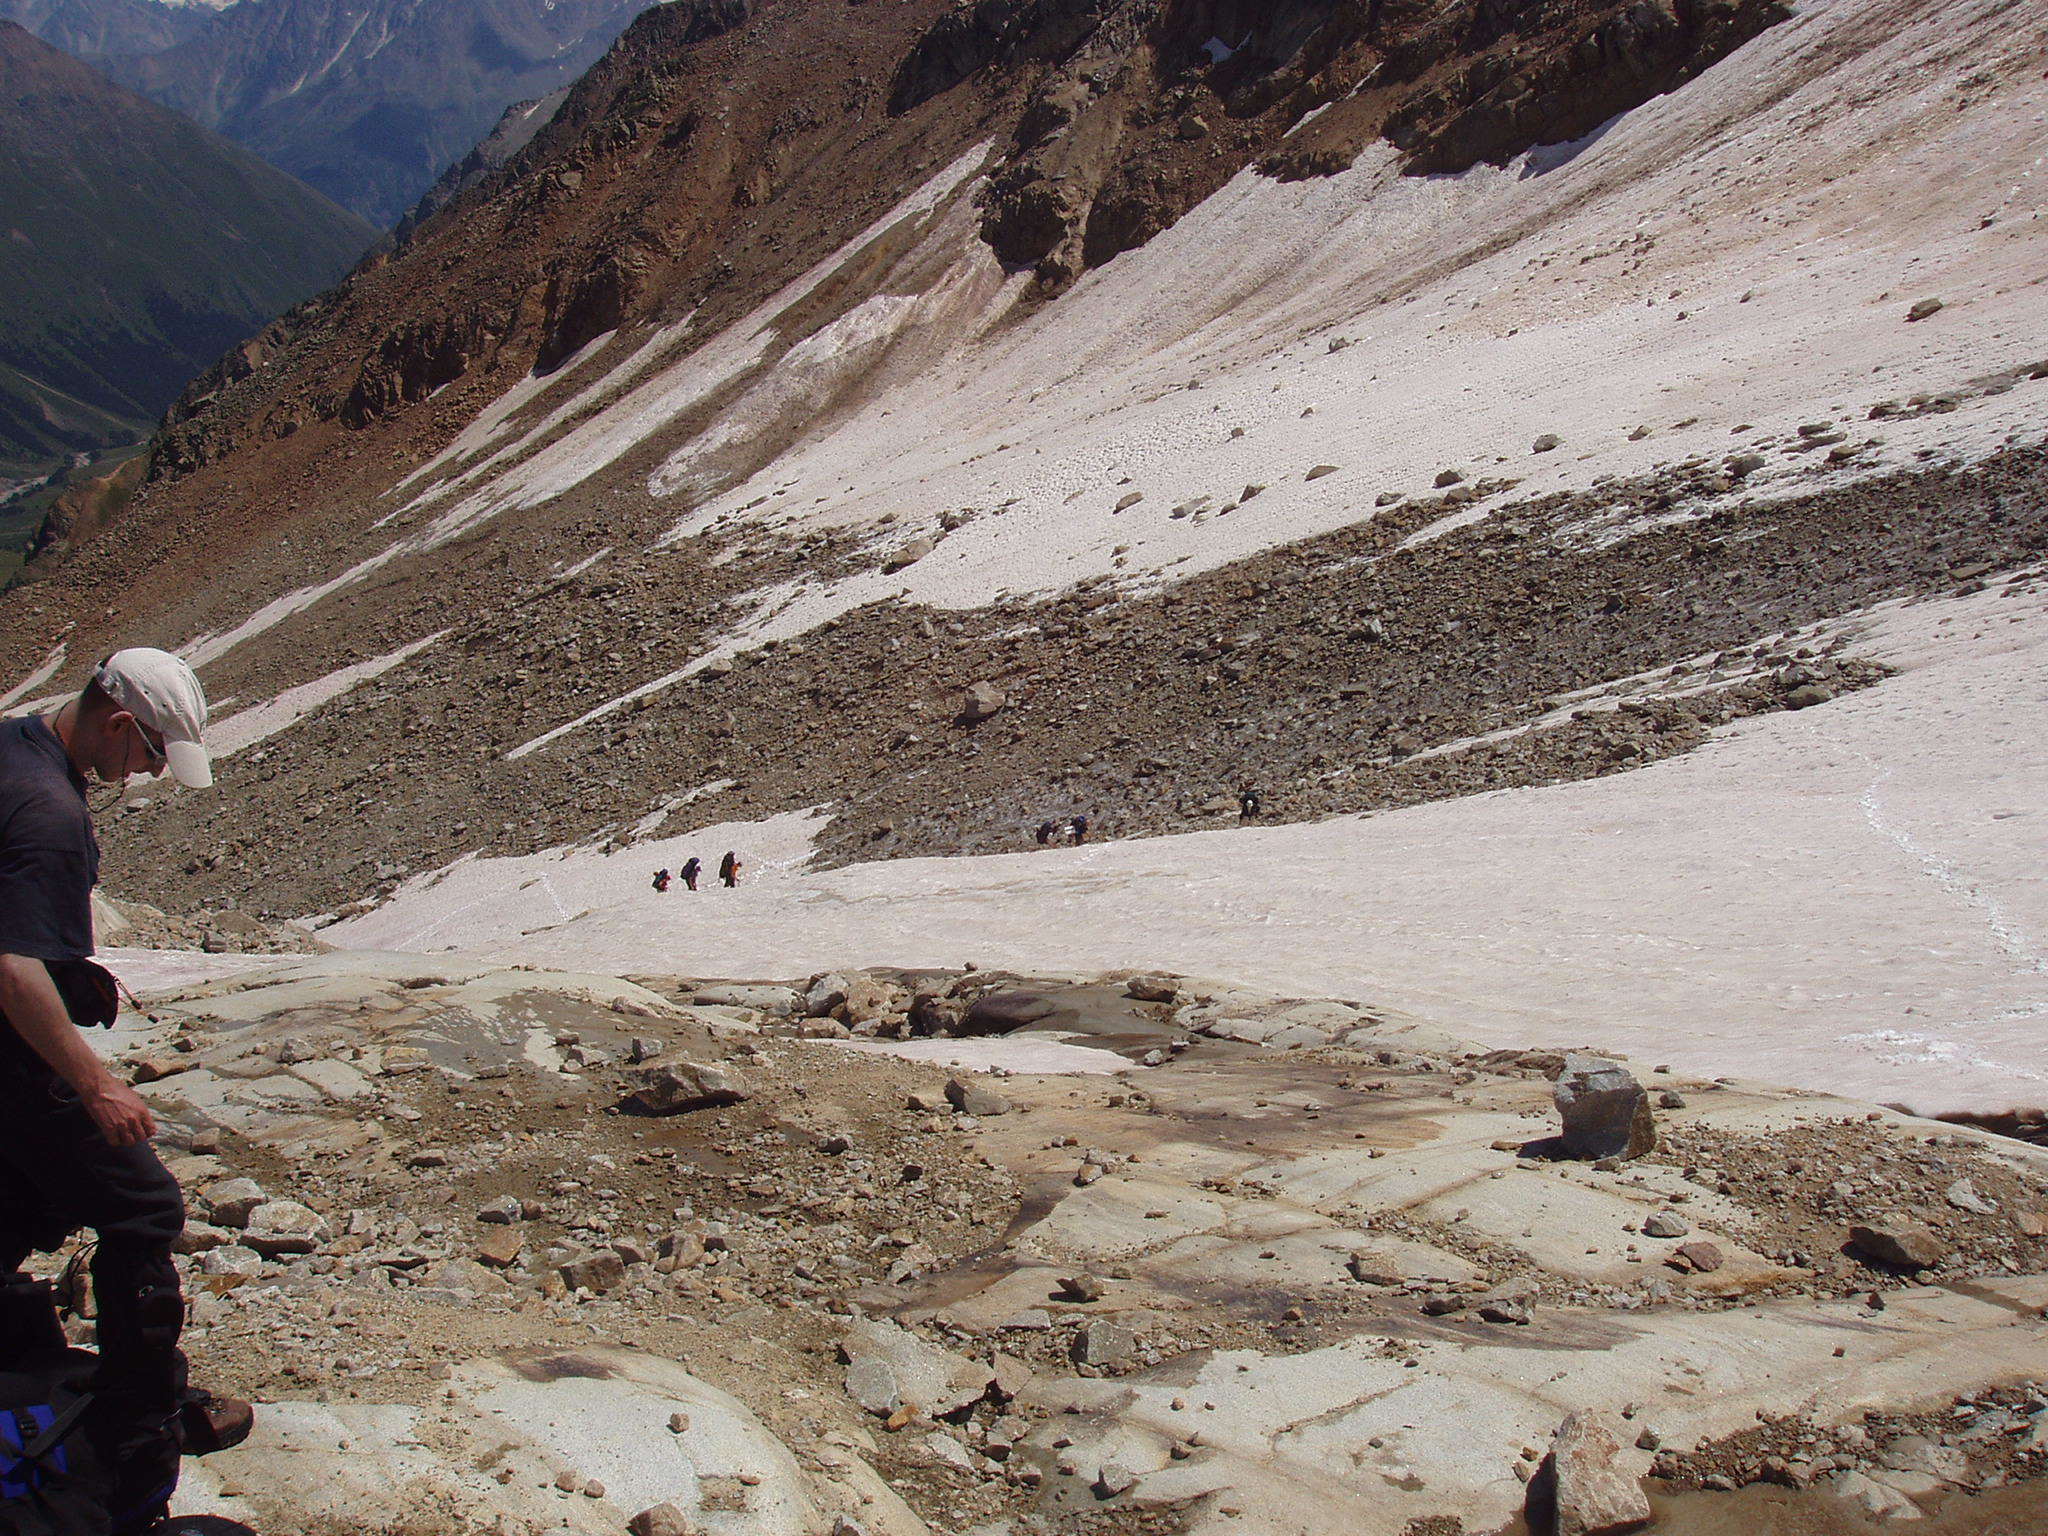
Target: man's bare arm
[{"x": 34, "y": 1008}]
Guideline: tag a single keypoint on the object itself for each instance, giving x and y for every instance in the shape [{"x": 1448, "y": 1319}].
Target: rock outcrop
[
  {"x": 857, "y": 1294},
  {"x": 1606, "y": 1111},
  {"x": 1593, "y": 1492}
]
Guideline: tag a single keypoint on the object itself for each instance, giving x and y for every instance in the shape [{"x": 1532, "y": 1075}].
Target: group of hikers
[
  {"x": 1077, "y": 831},
  {"x": 729, "y": 869}
]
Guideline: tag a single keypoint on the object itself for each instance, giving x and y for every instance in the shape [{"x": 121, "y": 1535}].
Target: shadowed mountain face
[
  {"x": 135, "y": 248},
  {"x": 92, "y": 29},
  {"x": 367, "y": 102}
]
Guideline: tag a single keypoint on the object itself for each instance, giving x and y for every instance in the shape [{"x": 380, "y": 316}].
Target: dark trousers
[{"x": 57, "y": 1173}]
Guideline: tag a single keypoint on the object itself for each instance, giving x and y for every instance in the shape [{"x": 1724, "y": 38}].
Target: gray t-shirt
[{"x": 49, "y": 859}]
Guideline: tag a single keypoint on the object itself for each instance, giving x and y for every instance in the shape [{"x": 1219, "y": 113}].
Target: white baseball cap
[{"x": 162, "y": 691}]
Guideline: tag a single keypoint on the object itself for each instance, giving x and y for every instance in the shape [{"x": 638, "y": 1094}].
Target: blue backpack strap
[
  {"x": 32, "y": 1442},
  {"x": 17, "y": 1475},
  {"x": 53, "y": 1429}
]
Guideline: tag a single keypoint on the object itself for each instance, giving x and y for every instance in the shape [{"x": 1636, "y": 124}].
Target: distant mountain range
[
  {"x": 367, "y": 100},
  {"x": 91, "y": 29},
  {"x": 135, "y": 248}
]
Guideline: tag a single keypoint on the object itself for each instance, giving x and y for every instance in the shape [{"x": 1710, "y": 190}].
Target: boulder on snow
[
  {"x": 660, "y": 1520},
  {"x": 909, "y": 554}
]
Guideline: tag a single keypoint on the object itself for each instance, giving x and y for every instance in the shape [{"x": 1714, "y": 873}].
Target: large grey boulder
[
  {"x": 596, "y": 1272},
  {"x": 230, "y": 1202},
  {"x": 284, "y": 1226},
  {"x": 780, "y": 1001},
  {"x": 1870, "y": 1498},
  {"x": 981, "y": 701},
  {"x": 1606, "y": 1111},
  {"x": 972, "y": 1098},
  {"x": 890, "y": 1367},
  {"x": 854, "y": 996},
  {"x": 997, "y": 1013}
]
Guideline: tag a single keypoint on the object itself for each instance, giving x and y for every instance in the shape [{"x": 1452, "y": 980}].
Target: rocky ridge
[{"x": 1359, "y": 671}]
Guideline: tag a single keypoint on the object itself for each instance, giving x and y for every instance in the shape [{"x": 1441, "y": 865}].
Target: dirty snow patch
[{"x": 241, "y": 731}]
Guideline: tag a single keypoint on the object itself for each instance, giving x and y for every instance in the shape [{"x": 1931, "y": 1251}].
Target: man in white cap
[{"x": 74, "y": 1138}]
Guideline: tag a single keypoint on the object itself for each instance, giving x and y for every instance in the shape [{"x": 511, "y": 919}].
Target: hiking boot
[{"x": 207, "y": 1423}]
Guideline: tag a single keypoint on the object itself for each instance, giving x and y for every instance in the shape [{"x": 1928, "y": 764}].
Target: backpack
[{"x": 51, "y": 1482}]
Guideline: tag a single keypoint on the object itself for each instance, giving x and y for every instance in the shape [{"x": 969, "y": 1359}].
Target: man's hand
[
  {"x": 119, "y": 1112},
  {"x": 35, "y": 1011}
]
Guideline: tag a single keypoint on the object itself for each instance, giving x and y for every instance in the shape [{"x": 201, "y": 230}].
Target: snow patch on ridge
[
  {"x": 686, "y": 384},
  {"x": 211, "y": 647},
  {"x": 544, "y": 472},
  {"x": 1732, "y": 256},
  {"x": 46, "y": 669},
  {"x": 260, "y": 722},
  {"x": 496, "y": 417},
  {"x": 1739, "y": 253}
]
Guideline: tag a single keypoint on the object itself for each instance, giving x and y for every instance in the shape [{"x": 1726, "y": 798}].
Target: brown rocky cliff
[
  {"x": 1166, "y": 102},
  {"x": 718, "y": 146}
]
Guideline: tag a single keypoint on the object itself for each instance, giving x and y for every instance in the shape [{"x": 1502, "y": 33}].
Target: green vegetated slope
[{"x": 135, "y": 248}]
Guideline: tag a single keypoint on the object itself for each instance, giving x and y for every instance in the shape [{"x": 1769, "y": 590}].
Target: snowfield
[{"x": 1852, "y": 898}]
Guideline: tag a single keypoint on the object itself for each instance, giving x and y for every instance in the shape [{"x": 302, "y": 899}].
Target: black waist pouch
[{"x": 90, "y": 992}]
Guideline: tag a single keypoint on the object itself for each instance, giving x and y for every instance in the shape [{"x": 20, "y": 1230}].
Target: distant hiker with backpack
[
  {"x": 691, "y": 871},
  {"x": 1079, "y": 827},
  {"x": 74, "y": 1138},
  {"x": 1045, "y": 832},
  {"x": 729, "y": 870},
  {"x": 1247, "y": 804},
  {"x": 661, "y": 880}
]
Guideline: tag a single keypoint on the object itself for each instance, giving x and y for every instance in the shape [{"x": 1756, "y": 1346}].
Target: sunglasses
[{"x": 152, "y": 743}]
